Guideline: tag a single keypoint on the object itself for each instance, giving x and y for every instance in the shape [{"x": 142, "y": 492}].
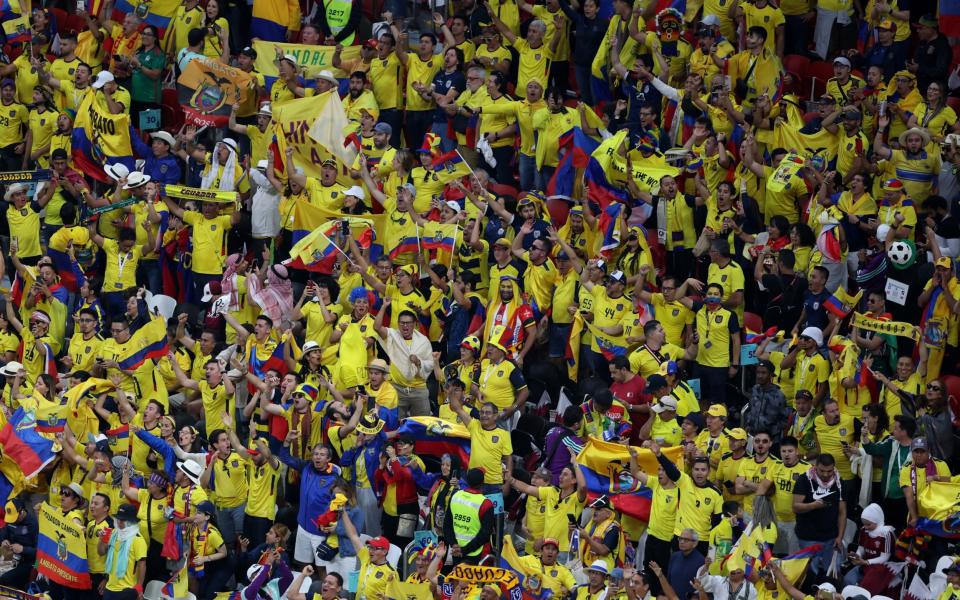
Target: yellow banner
[
  {"x": 207, "y": 90},
  {"x": 406, "y": 590},
  {"x": 312, "y": 59},
  {"x": 292, "y": 123},
  {"x": 822, "y": 143},
  {"x": 647, "y": 177},
  {"x": 483, "y": 575},
  {"x": 897, "y": 328},
  {"x": 939, "y": 499},
  {"x": 190, "y": 193}
]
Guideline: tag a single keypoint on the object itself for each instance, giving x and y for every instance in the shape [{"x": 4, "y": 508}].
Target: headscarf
[
  {"x": 229, "y": 168},
  {"x": 874, "y": 514},
  {"x": 230, "y": 283},
  {"x": 276, "y": 297}
]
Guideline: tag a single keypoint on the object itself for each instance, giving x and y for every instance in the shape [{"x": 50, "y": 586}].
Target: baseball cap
[
  {"x": 892, "y": 185},
  {"x": 379, "y": 542},
  {"x": 410, "y": 188},
  {"x": 550, "y": 541},
  {"x": 887, "y": 24},
  {"x": 712, "y": 20},
  {"x": 928, "y": 20},
  {"x": 842, "y": 60},
  {"x": 383, "y": 128},
  {"x": 919, "y": 443},
  {"x": 655, "y": 382},
  {"x": 814, "y": 334},
  {"x": 248, "y": 51},
  {"x": 826, "y": 587},
  {"x": 737, "y": 433},
  {"x": 454, "y": 206},
  {"x": 617, "y": 276},
  {"x": 370, "y": 43},
  {"x": 717, "y": 410},
  {"x": 945, "y": 262},
  {"x": 602, "y": 502},
  {"x": 664, "y": 403},
  {"x": 103, "y": 78}
]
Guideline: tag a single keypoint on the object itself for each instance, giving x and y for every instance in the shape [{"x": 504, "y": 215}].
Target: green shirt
[
  {"x": 144, "y": 89},
  {"x": 894, "y": 457}
]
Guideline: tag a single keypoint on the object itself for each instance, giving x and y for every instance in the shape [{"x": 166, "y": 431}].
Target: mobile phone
[{"x": 572, "y": 519}]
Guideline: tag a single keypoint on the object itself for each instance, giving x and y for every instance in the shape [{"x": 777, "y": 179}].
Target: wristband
[{"x": 139, "y": 589}]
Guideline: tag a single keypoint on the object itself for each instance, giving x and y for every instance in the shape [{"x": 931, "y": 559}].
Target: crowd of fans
[{"x": 786, "y": 315}]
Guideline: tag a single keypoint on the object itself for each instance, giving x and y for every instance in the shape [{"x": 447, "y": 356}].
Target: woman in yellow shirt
[
  {"x": 43, "y": 120},
  {"x": 216, "y": 27},
  {"x": 934, "y": 115},
  {"x": 208, "y": 554}
]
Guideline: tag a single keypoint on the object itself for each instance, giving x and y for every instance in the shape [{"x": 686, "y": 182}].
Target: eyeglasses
[
  {"x": 934, "y": 388},
  {"x": 406, "y": 323},
  {"x": 67, "y": 493},
  {"x": 116, "y": 331}
]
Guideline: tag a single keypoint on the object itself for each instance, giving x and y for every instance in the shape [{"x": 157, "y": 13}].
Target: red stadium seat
[
  {"x": 954, "y": 103},
  {"x": 171, "y": 114},
  {"x": 819, "y": 72},
  {"x": 502, "y": 189},
  {"x": 796, "y": 64}
]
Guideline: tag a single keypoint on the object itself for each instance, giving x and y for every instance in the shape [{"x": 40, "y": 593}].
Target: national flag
[
  {"x": 316, "y": 251},
  {"x": 610, "y": 346},
  {"x": 939, "y": 500},
  {"x": 611, "y": 224},
  {"x": 450, "y": 166},
  {"x": 842, "y": 302},
  {"x": 207, "y": 89},
  {"x": 577, "y": 147},
  {"x": 11, "y": 482},
  {"x": 531, "y": 580},
  {"x": 946, "y": 528},
  {"x": 602, "y": 190},
  {"x": 571, "y": 352},
  {"x": 805, "y": 552},
  {"x": 156, "y": 12},
  {"x": 260, "y": 365},
  {"x": 62, "y": 549},
  {"x": 408, "y": 590},
  {"x": 918, "y": 590},
  {"x": 331, "y": 127},
  {"x": 435, "y": 437},
  {"x": 100, "y": 138},
  {"x": 119, "y": 439},
  {"x": 949, "y": 18},
  {"x": 755, "y": 337},
  {"x": 821, "y": 143},
  {"x": 18, "y": 30},
  {"x": 306, "y": 218},
  {"x": 406, "y": 245},
  {"x": 606, "y": 469},
  {"x": 441, "y": 236},
  {"x": 21, "y": 442},
  {"x": 150, "y": 343},
  {"x": 51, "y": 417}
]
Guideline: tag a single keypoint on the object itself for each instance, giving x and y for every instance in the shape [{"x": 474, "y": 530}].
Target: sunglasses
[{"x": 934, "y": 388}]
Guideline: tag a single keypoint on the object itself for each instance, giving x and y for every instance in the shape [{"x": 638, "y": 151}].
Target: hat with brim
[
  {"x": 928, "y": 20},
  {"x": 116, "y": 171},
  {"x": 266, "y": 110},
  {"x": 923, "y": 133},
  {"x": 378, "y": 364},
  {"x": 127, "y": 513},
  {"x": 163, "y": 136},
  {"x": 75, "y": 489},
  {"x": 599, "y": 566},
  {"x": 14, "y": 189},
  {"x": 370, "y": 425},
  {"x": 135, "y": 180},
  {"x": 191, "y": 469},
  {"x": 11, "y": 369},
  {"x": 291, "y": 59},
  {"x": 328, "y": 77}
]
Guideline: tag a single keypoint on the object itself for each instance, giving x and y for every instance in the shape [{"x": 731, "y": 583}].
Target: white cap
[
  {"x": 814, "y": 334},
  {"x": 843, "y": 60},
  {"x": 664, "y": 403},
  {"x": 712, "y": 20},
  {"x": 103, "y": 78},
  {"x": 356, "y": 191},
  {"x": 310, "y": 347},
  {"x": 11, "y": 369},
  {"x": 882, "y": 232},
  {"x": 454, "y": 206},
  {"x": 192, "y": 469},
  {"x": 826, "y": 587},
  {"x": 262, "y": 165}
]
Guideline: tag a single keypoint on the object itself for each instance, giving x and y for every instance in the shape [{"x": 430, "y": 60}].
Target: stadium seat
[
  {"x": 171, "y": 111},
  {"x": 817, "y": 74},
  {"x": 796, "y": 64},
  {"x": 953, "y": 385}
]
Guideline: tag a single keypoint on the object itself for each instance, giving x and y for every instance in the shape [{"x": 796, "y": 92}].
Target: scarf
[
  {"x": 276, "y": 296},
  {"x": 226, "y": 181},
  {"x": 514, "y": 326},
  {"x": 119, "y": 546},
  {"x": 400, "y": 352},
  {"x": 822, "y": 485},
  {"x": 230, "y": 282},
  {"x": 200, "y": 549},
  {"x": 588, "y": 556}
]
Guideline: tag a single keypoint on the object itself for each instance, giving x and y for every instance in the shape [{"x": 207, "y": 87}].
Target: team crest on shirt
[
  {"x": 13, "y": 113},
  {"x": 619, "y": 306},
  {"x": 536, "y": 56},
  {"x": 553, "y": 572},
  {"x": 235, "y": 463},
  {"x": 766, "y": 19},
  {"x": 163, "y": 168},
  {"x": 723, "y": 278},
  {"x": 363, "y": 328},
  {"x": 718, "y": 319},
  {"x": 676, "y": 312},
  {"x": 23, "y": 212},
  {"x": 213, "y": 227},
  {"x": 706, "y": 500},
  {"x": 500, "y": 373},
  {"x": 763, "y": 470},
  {"x": 379, "y": 575},
  {"x": 843, "y": 431},
  {"x": 430, "y": 63},
  {"x": 495, "y": 439},
  {"x": 812, "y": 368},
  {"x": 816, "y": 305}
]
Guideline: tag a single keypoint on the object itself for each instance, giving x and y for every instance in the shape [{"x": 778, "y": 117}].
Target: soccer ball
[{"x": 900, "y": 253}]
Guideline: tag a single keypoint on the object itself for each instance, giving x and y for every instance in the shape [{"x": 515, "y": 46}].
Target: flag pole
[
  {"x": 456, "y": 233},
  {"x": 337, "y": 248},
  {"x": 419, "y": 249}
]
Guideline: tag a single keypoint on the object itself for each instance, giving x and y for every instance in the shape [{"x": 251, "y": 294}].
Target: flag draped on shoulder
[
  {"x": 100, "y": 138},
  {"x": 150, "y": 342}
]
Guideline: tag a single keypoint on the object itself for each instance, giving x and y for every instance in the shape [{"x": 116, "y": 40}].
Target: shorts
[
  {"x": 559, "y": 335},
  {"x": 306, "y": 549}
]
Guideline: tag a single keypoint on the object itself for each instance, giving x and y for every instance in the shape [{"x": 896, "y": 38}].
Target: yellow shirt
[
  {"x": 152, "y": 518},
  {"x": 534, "y": 64},
  {"x": 259, "y": 142},
  {"x": 730, "y": 278},
  {"x": 663, "y": 509},
  {"x": 727, "y": 472},
  {"x": 556, "y": 523},
  {"x": 607, "y": 311},
  {"x": 916, "y": 478},
  {"x": 182, "y": 23},
  {"x": 280, "y": 93},
  {"x": 810, "y": 372},
  {"x": 755, "y": 472},
  {"x": 769, "y": 17},
  {"x": 137, "y": 552},
  {"x": 646, "y": 362},
  {"x": 831, "y": 439},
  {"x": 385, "y": 77},
  {"x": 500, "y": 383},
  {"x": 42, "y": 126},
  {"x": 121, "y": 271},
  {"x": 538, "y": 283},
  {"x": 14, "y": 119},
  {"x": 784, "y": 478},
  {"x": 230, "y": 480},
  {"x": 209, "y": 241},
  {"x": 83, "y": 352},
  {"x": 215, "y": 401},
  {"x": 488, "y": 448},
  {"x": 714, "y": 330},
  {"x": 555, "y": 577},
  {"x": 373, "y": 579},
  {"x": 423, "y": 72},
  {"x": 318, "y": 330},
  {"x": 498, "y": 114},
  {"x": 96, "y": 563},
  {"x": 25, "y": 229},
  {"x": 892, "y": 402},
  {"x": 674, "y": 317},
  {"x": 697, "y": 506}
]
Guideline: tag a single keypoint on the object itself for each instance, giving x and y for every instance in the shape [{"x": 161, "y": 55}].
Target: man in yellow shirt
[
  {"x": 811, "y": 370},
  {"x": 536, "y": 54},
  {"x": 490, "y": 446},
  {"x": 375, "y": 572},
  {"x": 835, "y": 435},
  {"x": 209, "y": 237},
  {"x": 914, "y": 478},
  {"x": 646, "y": 360},
  {"x": 421, "y": 66}
]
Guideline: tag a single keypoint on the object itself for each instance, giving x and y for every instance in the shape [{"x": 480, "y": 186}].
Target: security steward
[{"x": 471, "y": 521}]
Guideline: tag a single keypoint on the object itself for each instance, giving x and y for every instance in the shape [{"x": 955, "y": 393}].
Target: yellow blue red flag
[
  {"x": 62, "y": 549},
  {"x": 100, "y": 138}
]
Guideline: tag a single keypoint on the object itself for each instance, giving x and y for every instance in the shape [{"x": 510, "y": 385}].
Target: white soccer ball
[{"x": 900, "y": 253}]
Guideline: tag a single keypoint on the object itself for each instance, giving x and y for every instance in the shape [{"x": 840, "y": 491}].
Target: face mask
[{"x": 712, "y": 299}]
